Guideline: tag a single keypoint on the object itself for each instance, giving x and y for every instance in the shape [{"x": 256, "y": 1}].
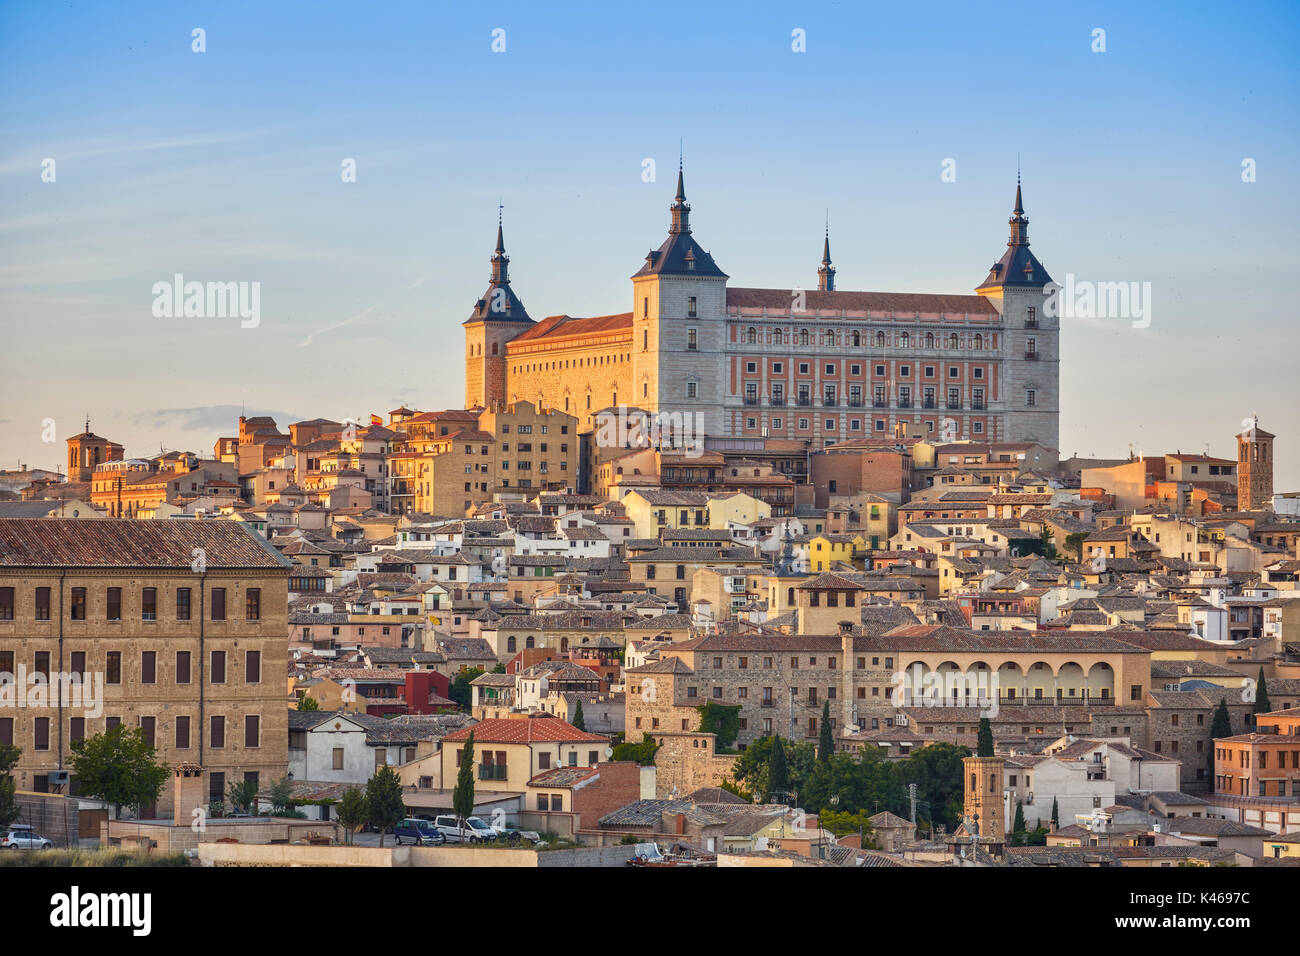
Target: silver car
[{"x": 24, "y": 838}]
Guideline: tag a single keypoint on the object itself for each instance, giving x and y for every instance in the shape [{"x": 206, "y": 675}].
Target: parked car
[
  {"x": 418, "y": 832},
  {"x": 514, "y": 836},
  {"x": 24, "y": 838},
  {"x": 468, "y": 832}
]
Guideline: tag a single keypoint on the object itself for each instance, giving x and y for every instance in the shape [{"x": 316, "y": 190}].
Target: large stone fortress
[{"x": 823, "y": 365}]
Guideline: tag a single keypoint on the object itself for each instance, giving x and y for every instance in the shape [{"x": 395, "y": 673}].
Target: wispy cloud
[{"x": 311, "y": 336}]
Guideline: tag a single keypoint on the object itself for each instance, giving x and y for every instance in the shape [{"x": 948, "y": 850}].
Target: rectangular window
[
  {"x": 78, "y": 663},
  {"x": 253, "y": 604},
  {"x": 41, "y": 733},
  {"x": 76, "y": 729},
  {"x": 218, "y": 667},
  {"x": 6, "y": 604},
  {"x": 252, "y": 730},
  {"x": 42, "y": 604},
  {"x": 182, "y": 667},
  {"x": 77, "y": 610},
  {"x": 217, "y": 738},
  {"x": 113, "y": 667},
  {"x": 253, "y": 667},
  {"x": 218, "y": 604},
  {"x": 149, "y": 727},
  {"x": 149, "y": 604},
  {"x": 182, "y": 733},
  {"x": 148, "y": 667},
  {"x": 41, "y": 664},
  {"x": 182, "y": 604},
  {"x": 113, "y": 604}
]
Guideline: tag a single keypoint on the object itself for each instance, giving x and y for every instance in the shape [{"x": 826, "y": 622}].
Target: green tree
[
  {"x": 1056, "y": 813},
  {"x": 865, "y": 781},
  {"x": 937, "y": 771},
  {"x": 643, "y": 753},
  {"x": 723, "y": 722},
  {"x": 984, "y": 744},
  {"x": 118, "y": 767},
  {"x": 778, "y": 774},
  {"x": 844, "y": 822},
  {"x": 1048, "y": 545},
  {"x": 1074, "y": 542},
  {"x": 1018, "y": 826},
  {"x": 281, "y": 796},
  {"x": 732, "y": 787},
  {"x": 460, "y": 691},
  {"x": 1220, "y": 726},
  {"x": 1262, "y": 705},
  {"x": 825, "y": 739},
  {"x": 579, "y": 720},
  {"x": 9, "y": 755},
  {"x": 307, "y": 702},
  {"x": 753, "y": 769},
  {"x": 352, "y": 812},
  {"x": 384, "y": 805},
  {"x": 242, "y": 795},
  {"x": 462, "y": 798}
]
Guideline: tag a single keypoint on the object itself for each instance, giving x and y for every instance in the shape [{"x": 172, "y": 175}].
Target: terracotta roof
[
  {"x": 905, "y": 303},
  {"x": 565, "y": 326},
  {"x": 525, "y": 730},
  {"x": 69, "y": 542}
]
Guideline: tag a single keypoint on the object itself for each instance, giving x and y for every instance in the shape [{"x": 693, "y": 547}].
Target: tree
[
  {"x": 462, "y": 798},
  {"x": 723, "y": 722},
  {"x": 242, "y": 795},
  {"x": 8, "y": 801},
  {"x": 778, "y": 774},
  {"x": 1262, "y": 705},
  {"x": 643, "y": 753},
  {"x": 118, "y": 767},
  {"x": 984, "y": 744},
  {"x": 1056, "y": 813},
  {"x": 1018, "y": 826},
  {"x": 352, "y": 812},
  {"x": 865, "y": 782},
  {"x": 842, "y": 823},
  {"x": 579, "y": 721},
  {"x": 937, "y": 771},
  {"x": 753, "y": 768},
  {"x": 384, "y": 805},
  {"x": 460, "y": 691},
  {"x": 307, "y": 702},
  {"x": 282, "y": 796},
  {"x": 1220, "y": 726},
  {"x": 1048, "y": 545},
  {"x": 1074, "y": 542},
  {"x": 825, "y": 739}
]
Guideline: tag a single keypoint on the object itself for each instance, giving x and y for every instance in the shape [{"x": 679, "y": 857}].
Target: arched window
[
  {"x": 803, "y": 336},
  {"x": 880, "y": 340},
  {"x": 751, "y": 336},
  {"x": 979, "y": 341},
  {"x": 857, "y": 339},
  {"x": 494, "y": 348},
  {"x": 530, "y": 642},
  {"x": 789, "y": 597},
  {"x": 906, "y": 340},
  {"x": 952, "y": 341},
  {"x": 510, "y": 645},
  {"x": 929, "y": 340}
]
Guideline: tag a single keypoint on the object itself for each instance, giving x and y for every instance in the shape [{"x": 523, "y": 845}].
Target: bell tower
[
  {"x": 982, "y": 807},
  {"x": 1254, "y": 468}
]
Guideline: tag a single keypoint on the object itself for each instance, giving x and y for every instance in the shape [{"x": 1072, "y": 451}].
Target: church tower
[
  {"x": 1017, "y": 285},
  {"x": 497, "y": 318},
  {"x": 1254, "y": 468},
  {"x": 679, "y": 308},
  {"x": 983, "y": 810}
]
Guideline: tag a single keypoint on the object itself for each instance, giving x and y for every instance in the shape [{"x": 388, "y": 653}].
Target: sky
[{"x": 1169, "y": 157}]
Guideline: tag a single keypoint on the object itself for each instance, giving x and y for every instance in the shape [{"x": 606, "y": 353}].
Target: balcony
[
  {"x": 904, "y": 403},
  {"x": 751, "y": 399},
  {"x": 778, "y": 400},
  {"x": 929, "y": 403},
  {"x": 829, "y": 401},
  {"x": 954, "y": 406},
  {"x": 804, "y": 401},
  {"x": 767, "y": 703},
  {"x": 977, "y": 405},
  {"x": 1031, "y": 356},
  {"x": 855, "y": 403},
  {"x": 1031, "y": 323},
  {"x": 490, "y": 771},
  {"x": 879, "y": 403}
]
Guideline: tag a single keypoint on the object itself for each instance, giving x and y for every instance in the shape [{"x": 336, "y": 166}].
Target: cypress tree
[
  {"x": 825, "y": 740},
  {"x": 1018, "y": 826},
  {"x": 778, "y": 775},
  {"x": 1221, "y": 726},
  {"x": 1262, "y": 705},
  {"x": 1056, "y": 813},
  {"x": 984, "y": 746},
  {"x": 462, "y": 798},
  {"x": 578, "y": 720}
]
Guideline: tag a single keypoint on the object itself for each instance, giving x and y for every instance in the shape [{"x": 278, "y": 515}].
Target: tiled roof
[
  {"x": 525, "y": 730},
  {"x": 69, "y": 542}
]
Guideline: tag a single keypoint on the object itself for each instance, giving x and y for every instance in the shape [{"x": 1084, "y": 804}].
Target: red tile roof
[
  {"x": 566, "y": 326},
  {"x": 525, "y": 730},
  {"x": 163, "y": 543}
]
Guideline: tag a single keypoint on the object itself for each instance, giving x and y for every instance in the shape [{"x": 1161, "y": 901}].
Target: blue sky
[{"x": 225, "y": 165}]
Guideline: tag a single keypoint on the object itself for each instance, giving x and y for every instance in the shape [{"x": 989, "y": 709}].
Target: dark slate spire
[
  {"x": 1018, "y": 266},
  {"x": 826, "y": 273},
  {"x": 681, "y": 209},
  {"x": 499, "y": 303}
]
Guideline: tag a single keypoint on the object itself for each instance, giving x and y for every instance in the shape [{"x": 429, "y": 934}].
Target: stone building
[
  {"x": 1254, "y": 468},
  {"x": 822, "y": 365},
  {"x": 176, "y": 627}
]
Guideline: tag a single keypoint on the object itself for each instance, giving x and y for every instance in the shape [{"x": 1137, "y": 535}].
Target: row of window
[
  {"x": 148, "y": 607},
  {"x": 149, "y": 725},
  {"x": 148, "y": 668},
  {"x": 856, "y": 339}
]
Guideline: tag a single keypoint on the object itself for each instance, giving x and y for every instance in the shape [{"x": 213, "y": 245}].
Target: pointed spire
[
  {"x": 1019, "y": 222},
  {"x": 826, "y": 272},
  {"x": 500, "y": 260},
  {"x": 680, "y": 208}
]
